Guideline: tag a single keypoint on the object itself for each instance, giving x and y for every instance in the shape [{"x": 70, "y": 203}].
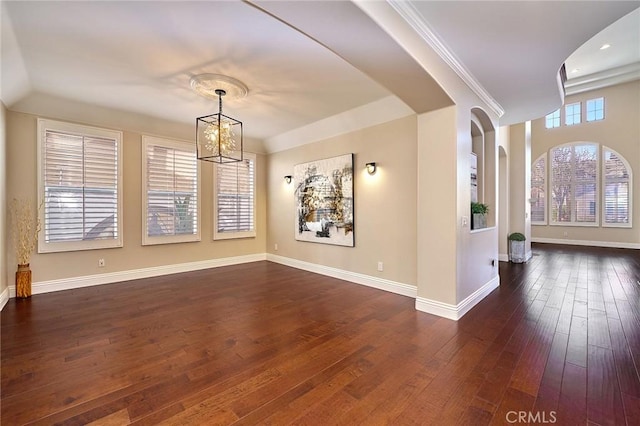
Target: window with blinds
[
  {"x": 617, "y": 189},
  {"x": 234, "y": 199},
  {"x": 79, "y": 174},
  {"x": 170, "y": 191},
  {"x": 574, "y": 184},
  {"x": 538, "y": 191}
]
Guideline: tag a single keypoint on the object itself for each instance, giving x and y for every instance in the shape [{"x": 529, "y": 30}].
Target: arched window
[
  {"x": 539, "y": 191},
  {"x": 617, "y": 189},
  {"x": 570, "y": 175}
]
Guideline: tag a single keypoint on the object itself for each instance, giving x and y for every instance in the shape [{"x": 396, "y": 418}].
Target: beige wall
[
  {"x": 4, "y": 243},
  {"x": 620, "y": 131},
  {"x": 503, "y": 191},
  {"x": 520, "y": 181},
  {"x": 438, "y": 204},
  {"x": 385, "y": 203},
  {"x": 21, "y": 182},
  {"x": 478, "y": 248}
]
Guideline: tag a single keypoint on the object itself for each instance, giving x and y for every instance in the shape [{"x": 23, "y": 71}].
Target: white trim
[
  {"x": 414, "y": 18},
  {"x": 4, "y": 298},
  {"x": 455, "y": 312},
  {"x": 528, "y": 255},
  {"x": 354, "y": 277},
  {"x": 611, "y": 244},
  {"x": 503, "y": 257},
  {"x": 603, "y": 79},
  {"x": 134, "y": 274}
]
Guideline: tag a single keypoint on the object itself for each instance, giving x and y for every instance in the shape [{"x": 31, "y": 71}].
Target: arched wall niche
[{"x": 483, "y": 145}]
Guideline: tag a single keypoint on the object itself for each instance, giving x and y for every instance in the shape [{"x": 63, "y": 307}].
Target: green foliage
[
  {"x": 517, "y": 236},
  {"x": 479, "y": 208},
  {"x": 183, "y": 218}
]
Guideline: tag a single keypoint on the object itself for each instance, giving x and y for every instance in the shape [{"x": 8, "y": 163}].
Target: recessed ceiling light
[{"x": 605, "y": 46}]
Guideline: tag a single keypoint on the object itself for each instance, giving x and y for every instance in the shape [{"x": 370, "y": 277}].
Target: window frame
[
  {"x": 44, "y": 125},
  {"x": 148, "y": 240},
  {"x": 600, "y": 181},
  {"x": 603, "y": 183},
  {"x": 573, "y": 114},
  {"x": 586, "y": 110},
  {"x": 552, "y": 116},
  {"x": 239, "y": 234}
]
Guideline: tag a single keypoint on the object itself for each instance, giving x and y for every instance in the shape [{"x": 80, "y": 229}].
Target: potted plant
[
  {"x": 24, "y": 229},
  {"x": 479, "y": 215},
  {"x": 517, "y": 247}
]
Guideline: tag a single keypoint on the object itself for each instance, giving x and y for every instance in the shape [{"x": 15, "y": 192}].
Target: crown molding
[
  {"x": 603, "y": 79},
  {"x": 414, "y": 18}
]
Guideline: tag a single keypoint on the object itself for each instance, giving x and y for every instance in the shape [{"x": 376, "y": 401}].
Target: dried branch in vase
[{"x": 25, "y": 226}]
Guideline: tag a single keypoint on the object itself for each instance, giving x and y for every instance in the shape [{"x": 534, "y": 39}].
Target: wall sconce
[
  {"x": 371, "y": 168},
  {"x": 288, "y": 178}
]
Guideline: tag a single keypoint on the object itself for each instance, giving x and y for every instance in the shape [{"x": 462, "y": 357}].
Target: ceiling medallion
[{"x": 207, "y": 84}]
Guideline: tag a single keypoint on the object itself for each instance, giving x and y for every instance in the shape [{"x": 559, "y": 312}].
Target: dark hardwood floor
[{"x": 261, "y": 343}]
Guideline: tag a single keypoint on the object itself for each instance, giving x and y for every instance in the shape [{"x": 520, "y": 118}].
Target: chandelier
[{"x": 219, "y": 138}]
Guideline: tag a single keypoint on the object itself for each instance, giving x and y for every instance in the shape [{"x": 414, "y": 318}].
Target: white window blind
[
  {"x": 538, "y": 191},
  {"x": 574, "y": 184},
  {"x": 170, "y": 180},
  {"x": 617, "y": 189},
  {"x": 79, "y": 180},
  {"x": 234, "y": 199}
]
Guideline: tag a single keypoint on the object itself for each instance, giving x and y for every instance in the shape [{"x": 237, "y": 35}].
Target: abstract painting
[{"x": 324, "y": 201}]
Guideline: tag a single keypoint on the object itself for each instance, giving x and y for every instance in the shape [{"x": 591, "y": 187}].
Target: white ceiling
[{"x": 302, "y": 61}]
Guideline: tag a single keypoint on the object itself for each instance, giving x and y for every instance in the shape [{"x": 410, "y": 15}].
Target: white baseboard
[
  {"x": 354, "y": 277},
  {"x": 114, "y": 277},
  {"x": 4, "y": 298},
  {"x": 503, "y": 257},
  {"x": 455, "y": 312},
  {"x": 610, "y": 244}
]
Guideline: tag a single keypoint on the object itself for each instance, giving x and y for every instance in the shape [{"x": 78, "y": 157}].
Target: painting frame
[{"x": 324, "y": 201}]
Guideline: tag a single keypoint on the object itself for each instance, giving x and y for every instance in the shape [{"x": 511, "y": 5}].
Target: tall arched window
[
  {"x": 576, "y": 194},
  {"x": 539, "y": 191},
  {"x": 617, "y": 189},
  {"x": 585, "y": 184}
]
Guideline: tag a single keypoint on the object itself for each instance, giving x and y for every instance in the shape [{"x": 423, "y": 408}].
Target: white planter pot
[{"x": 517, "y": 251}]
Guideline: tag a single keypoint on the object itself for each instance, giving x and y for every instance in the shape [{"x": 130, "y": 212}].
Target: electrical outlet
[
  {"x": 380, "y": 266},
  {"x": 275, "y": 246},
  {"x": 565, "y": 234},
  {"x": 101, "y": 263},
  {"x": 465, "y": 221}
]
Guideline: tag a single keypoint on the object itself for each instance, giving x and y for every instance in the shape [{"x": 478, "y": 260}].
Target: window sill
[{"x": 481, "y": 230}]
